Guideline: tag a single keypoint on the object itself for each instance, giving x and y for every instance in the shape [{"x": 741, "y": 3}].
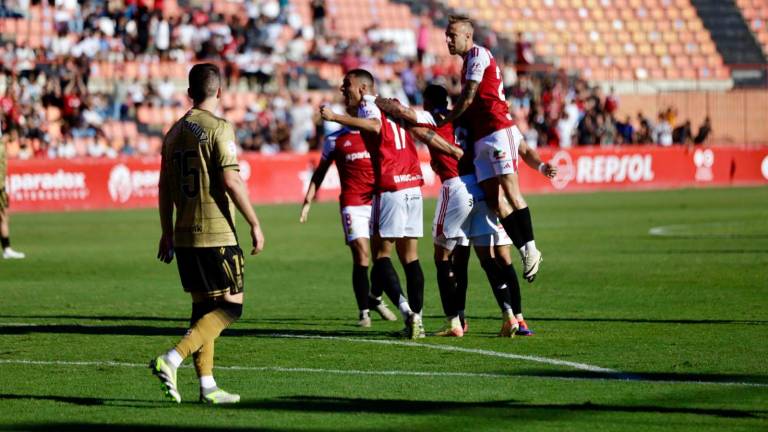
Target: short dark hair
[
  {"x": 464, "y": 19},
  {"x": 437, "y": 95},
  {"x": 362, "y": 74},
  {"x": 204, "y": 81}
]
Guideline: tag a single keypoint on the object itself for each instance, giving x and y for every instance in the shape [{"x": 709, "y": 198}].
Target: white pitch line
[
  {"x": 377, "y": 373},
  {"x": 489, "y": 353}
]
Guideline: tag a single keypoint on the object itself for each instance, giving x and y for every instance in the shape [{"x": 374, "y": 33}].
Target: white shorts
[
  {"x": 496, "y": 154},
  {"x": 399, "y": 214},
  {"x": 499, "y": 238},
  {"x": 356, "y": 221},
  {"x": 462, "y": 214}
]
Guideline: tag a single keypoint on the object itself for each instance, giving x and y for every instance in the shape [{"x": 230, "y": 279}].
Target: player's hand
[
  {"x": 549, "y": 170},
  {"x": 165, "y": 250},
  {"x": 327, "y": 113},
  {"x": 387, "y": 105},
  {"x": 304, "y": 212},
  {"x": 257, "y": 237}
]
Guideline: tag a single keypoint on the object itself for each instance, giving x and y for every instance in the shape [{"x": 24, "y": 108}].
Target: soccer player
[
  {"x": 200, "y": 178},
  {"x": 397, "y": 208},
  {"x": 8, "y": 252},
  {"x": 497, "y": 142},
  {"x": 461, "y": 216},
  {"x": 346, "y": 148}
]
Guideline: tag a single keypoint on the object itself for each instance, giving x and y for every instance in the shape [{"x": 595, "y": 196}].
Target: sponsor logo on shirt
[
  {"x": 403, "y": 178},
  {"x": 351, "y": 157},
  {"x": 499, "y": 154}
]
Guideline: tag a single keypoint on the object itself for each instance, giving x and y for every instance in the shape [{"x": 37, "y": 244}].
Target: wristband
[{"x": 542, "y": 167}]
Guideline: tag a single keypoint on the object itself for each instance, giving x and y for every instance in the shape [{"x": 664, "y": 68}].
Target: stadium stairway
[{"x": 734, "y": 41}]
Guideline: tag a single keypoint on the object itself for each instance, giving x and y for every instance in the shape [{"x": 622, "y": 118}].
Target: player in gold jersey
[
  {"x": 8, "y": 253},
  {"x": 200, "y": 178}
]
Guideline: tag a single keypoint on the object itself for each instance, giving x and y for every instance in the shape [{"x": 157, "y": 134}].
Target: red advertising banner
[{"x": 83, "y": 184}]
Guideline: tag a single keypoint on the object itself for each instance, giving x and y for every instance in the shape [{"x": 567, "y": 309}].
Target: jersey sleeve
[
  {"x": 225, "y": 149},
  {"x": 425, "y": 118},
  {"x": 369, "y": 110},
  {"x": 329, "y": 146},
  {"x": 477, "y": 61}
]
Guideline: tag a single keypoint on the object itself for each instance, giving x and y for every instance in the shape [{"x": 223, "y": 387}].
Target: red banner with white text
[{"x": 83, "y": 184}]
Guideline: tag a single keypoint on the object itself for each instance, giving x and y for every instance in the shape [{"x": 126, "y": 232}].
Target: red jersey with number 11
[
  {"x": 488, "y": 111},
  {"x": 393, "y": 152}
]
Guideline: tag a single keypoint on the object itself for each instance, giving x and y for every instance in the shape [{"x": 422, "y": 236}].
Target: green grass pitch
[{"x": 663, "y": 332}]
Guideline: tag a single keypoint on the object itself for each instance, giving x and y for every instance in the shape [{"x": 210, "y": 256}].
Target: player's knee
[{"x": 234, "y": 310}]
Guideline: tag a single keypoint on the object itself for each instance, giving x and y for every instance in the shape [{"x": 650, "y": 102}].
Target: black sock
[
  {"x": 385, "y": 278},
  {"x": 200, "y": 309},
  {"x": 374, "y": 297},
  {"x": 510, "y": 225},
  {"x": 460, "y": 264},
  {"x": 524, "y": 224},
  {"x": 447, "y": 286},
  {"x": 415, "y": 285},
  {"x": 6, "y": 242},
  {"x": 513, "y": 286},
  {"x": 360, "y": 285},
  {"x": 498, "y": 285}
]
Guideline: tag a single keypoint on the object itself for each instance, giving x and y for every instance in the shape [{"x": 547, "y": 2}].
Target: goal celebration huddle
[{"x": 475, "y": 149}]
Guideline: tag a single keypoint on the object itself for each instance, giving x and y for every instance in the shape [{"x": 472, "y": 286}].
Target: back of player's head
[
  {"x": 460, "y": 19},
  {"x": 436, "y": 95},
  {"x": 204, "y": 81},
  {"x": 362, "y": 75}
]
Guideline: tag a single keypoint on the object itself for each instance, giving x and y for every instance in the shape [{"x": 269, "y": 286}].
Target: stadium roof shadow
[
  {"x": 135, "y": 427},
  {"x": 501, "y": 408},
  {"x": 625, "y": 320},
  {"x": 139, "y": 330}
]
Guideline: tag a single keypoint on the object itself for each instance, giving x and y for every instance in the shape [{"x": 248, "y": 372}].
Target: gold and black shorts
[
  {"x": 213, "y": 271},
  {"x": 4, "y": 202}
]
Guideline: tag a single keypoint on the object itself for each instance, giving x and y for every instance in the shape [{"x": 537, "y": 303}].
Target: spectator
[
  {"x": 704, "y": 131},
  {"x": 318, "y": 17},
  {"x": 662, "y": 133},
  {"x": 683, "y": 134}
]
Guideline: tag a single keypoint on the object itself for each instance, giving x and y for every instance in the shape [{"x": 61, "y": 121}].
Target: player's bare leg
[
  {"x": 500, "y": 288},
  {"x": 8, "y": 252},
  {"x": 408, "y": 252},
  {"x": 446, "y": 283}
]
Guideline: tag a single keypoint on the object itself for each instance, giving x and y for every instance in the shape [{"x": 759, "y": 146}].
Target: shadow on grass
[
  {"x": 533, "y": 319},
  {"x": 500, "y": 408},
  {"x": 340, "y": 405},
  {"x": 742, "y": 380},
  {"x": 140, "y": 330},
  {"x": 134, "y": 427}
]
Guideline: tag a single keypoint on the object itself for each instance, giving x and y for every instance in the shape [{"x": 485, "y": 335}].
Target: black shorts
[
  {"x": 4, "y": 202},
  {"x": 213, "y": 271}
]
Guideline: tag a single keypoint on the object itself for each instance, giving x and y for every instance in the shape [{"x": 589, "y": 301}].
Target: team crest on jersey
[{"x": 347, "y": 144}]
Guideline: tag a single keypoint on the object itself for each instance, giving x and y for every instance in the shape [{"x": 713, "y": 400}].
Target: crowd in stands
[{"x": 52, "y": 107}]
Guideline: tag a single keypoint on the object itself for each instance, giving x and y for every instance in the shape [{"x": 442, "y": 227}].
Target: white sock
[
  {"x": 530, "y": 246},
  {"x": 508, "y": 315},
  {"x": 207, "y": 382},
  {"x": 365, "y": 312},
  {"x": 455, "y": 322},
  {"x": 522, "y": 252},
  {"x": 519, "y": 317},
  {"x": 405, "y": 308},
  {"x": 174, "y": 358}
]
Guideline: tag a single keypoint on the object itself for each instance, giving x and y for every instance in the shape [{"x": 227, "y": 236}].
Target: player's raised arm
[
  {"x": 533, "y": 160},
  {"x": 363, "y": 124},
  {"x": 434, "y": 140},
  {"x": 394, "y": 108},
  {"x": 314, "y": 185},
  {"x": 465, "y": 100}
]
